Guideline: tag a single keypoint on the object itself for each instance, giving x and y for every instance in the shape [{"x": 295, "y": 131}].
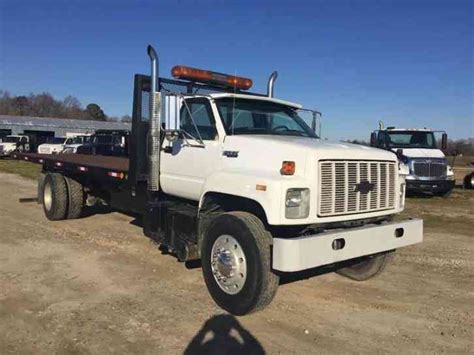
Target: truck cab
[
  {"x": 73, "y": 143},
  {"x": 14, "y": 143},
  {"x": 418, "y": 149}
]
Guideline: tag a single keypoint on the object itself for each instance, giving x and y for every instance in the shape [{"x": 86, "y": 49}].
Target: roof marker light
[{"x": 207, "y": 76}]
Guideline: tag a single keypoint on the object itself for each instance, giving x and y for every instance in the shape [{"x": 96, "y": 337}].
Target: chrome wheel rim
[
  {"x": 228, "y": 264},
  {"x": 48, "y": 196}
]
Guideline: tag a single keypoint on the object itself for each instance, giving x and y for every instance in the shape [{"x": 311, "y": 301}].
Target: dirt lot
[{"x": 96, "y": 285}]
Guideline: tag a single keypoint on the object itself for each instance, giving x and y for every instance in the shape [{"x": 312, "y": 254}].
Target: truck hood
[
  {"x": 265, "y": 153},
  {"x": 421, "y": 153},
  {"x": 51, "y": 146},
  {"x": 320, "y": 148}
]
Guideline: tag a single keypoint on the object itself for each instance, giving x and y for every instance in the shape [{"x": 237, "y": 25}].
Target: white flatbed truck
[{"x": 241, "y": 182}]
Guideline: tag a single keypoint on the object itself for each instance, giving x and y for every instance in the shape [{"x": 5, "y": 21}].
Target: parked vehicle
[
  {"x": 72, "y": 144},
  {"x": 53, "y": 146},
  {"x": 429, "y": 170},
  {"x": 105, "y": 142},
  {"x": 14, "y": 143},
  {"x": 240, "y": 181}
]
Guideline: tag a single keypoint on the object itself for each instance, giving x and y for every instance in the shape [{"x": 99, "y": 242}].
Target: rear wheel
[
  {"x": 366, "y": 267},
  {"x": 76, "y": 198},
  {"x": 236, "y": 263},
  {"x": 55, "y": 197}
]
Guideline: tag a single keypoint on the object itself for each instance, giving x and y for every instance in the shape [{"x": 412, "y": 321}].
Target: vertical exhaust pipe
[
  {"x": 271, "y": 82},
  {"x": 155, "y": 126}
]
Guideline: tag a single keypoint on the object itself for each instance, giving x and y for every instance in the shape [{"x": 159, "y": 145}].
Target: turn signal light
[
  {"x": 288, "y": 168},
  {"x": 207, "y": 76}
]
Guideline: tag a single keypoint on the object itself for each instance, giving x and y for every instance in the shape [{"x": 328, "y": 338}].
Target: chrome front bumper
[{"x": 301, "y": 253}]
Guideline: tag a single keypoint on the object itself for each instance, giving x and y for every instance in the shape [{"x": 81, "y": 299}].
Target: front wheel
[
  {"x": 236, "y": 263},
  {"x": 367, "y": 267}
]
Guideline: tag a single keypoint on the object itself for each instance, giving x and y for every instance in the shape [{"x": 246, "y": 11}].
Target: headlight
[{"x": 297, "y": 203}]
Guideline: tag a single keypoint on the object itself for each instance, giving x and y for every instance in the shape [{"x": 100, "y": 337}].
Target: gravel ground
[{"x": 97, "y": 285}]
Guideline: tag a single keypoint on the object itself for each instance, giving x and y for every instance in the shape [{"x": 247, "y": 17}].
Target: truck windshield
[
  {"x": 74, "y": 140},
  {"x": 11, "y": 139},
  {"x": 245, "y": 116},
  {"x": 104, "y": 139},
  {"x": 411, "y": 139},
  {"x": 57, "y": 140}
]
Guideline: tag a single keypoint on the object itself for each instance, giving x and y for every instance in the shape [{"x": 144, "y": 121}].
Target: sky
[{"x": 408, "y": 63}]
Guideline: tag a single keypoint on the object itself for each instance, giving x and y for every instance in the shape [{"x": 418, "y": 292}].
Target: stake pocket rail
[{"x": 106, "y": 166}]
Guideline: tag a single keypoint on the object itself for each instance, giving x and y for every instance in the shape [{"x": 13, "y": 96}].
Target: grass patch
[{"x": 25, "y": 169}]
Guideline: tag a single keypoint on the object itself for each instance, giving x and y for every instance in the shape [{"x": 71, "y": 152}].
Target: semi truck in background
[
  {"x": 240, "y": 181},
  {"x": 417, "y": 148}
]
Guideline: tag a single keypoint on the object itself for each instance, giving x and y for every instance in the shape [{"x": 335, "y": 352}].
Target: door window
[{"x": 200, "y": 111}]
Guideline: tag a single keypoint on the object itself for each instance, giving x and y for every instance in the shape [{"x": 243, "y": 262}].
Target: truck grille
[
  {"x": 349, "y": 187},
  {"x": 44, "y": 150},
  {"x": 430, "y": 168}
]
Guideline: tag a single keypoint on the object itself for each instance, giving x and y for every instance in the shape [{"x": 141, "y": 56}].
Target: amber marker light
[{"x": 288, "y": 168}]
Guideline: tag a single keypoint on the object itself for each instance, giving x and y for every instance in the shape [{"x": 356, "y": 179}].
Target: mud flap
[{"x": 41, "y": 178}]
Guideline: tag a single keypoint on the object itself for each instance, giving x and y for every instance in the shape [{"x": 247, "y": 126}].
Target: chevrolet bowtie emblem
[{"x": 364, "y": 187}]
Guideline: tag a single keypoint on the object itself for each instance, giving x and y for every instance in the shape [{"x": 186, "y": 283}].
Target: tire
[
  {"x": 367, "y": 267},
  {"x": 260, "y": 284},
  {"x": 55, "y": 197},
  {"x": 76, "y": 198},
  {"x": 469, "y": 181}
]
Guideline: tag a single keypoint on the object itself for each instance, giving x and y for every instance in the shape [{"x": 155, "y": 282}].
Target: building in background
[{"x": 40, "y": 129}]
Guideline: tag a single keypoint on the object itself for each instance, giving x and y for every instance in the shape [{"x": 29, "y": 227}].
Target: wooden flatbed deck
[{"x": 118, "y": 164}]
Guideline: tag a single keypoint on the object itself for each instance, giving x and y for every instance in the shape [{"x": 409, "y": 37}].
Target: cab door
[{"x": 186, "y": 163}]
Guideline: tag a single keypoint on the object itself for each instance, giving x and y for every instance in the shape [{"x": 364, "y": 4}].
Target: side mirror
[
  {"x": 444, "y": 141},
  {"x": 173, "y": 105},
  {"x": 373, "y": 139}
]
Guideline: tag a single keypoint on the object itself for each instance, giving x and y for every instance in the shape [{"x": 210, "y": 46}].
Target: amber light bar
[{"x": 207, "y": 76}]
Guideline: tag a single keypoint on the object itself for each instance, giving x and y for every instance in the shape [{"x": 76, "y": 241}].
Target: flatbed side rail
[{"x": 100, "y": 167}]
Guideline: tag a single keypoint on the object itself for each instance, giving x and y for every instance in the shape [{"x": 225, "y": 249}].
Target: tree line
[{"x": 45, "y": 105}]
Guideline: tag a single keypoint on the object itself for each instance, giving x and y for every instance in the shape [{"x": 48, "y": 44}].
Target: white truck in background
[
  {"x": 241, "y": 182},
  {"x": 14, "y": 143},
  {"x": 74, "y": 142},
  {"x": 429, "y": 171}
]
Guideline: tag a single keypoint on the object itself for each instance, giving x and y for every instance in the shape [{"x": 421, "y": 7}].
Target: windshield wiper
[{"x": 291, "y": 132}]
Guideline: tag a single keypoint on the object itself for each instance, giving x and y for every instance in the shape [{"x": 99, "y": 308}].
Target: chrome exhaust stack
[
  {"x": 155, "y": 126},
  {"x": 271, "y": 82}
]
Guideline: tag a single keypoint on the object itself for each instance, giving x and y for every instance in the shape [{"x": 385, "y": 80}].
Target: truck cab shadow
[{"x": 223, "y": 334}]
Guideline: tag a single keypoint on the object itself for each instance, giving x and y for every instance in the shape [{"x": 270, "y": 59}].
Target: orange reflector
[
  {"x": 287, "y": 168},
  {"x": 207, "y": 76},
  {"x": 116, "y": 174}
]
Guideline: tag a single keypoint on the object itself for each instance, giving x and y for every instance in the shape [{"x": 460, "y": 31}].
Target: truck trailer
[{"x": 239, "y": 181}]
